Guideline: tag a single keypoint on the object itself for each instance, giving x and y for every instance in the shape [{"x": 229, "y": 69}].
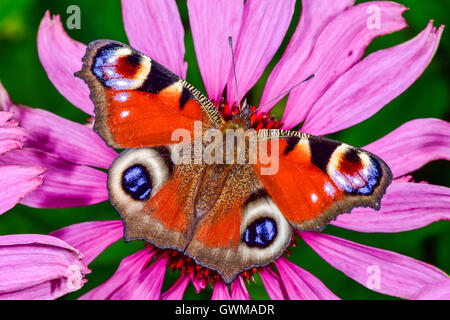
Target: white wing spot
[{"x": 329, "y": 189}]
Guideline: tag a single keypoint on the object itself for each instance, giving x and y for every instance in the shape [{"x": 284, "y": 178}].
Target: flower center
[{"x": 262, "y": 120}]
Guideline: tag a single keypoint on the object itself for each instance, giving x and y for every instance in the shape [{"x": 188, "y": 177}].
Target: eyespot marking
[
  {"x": 355, "y": 172},
  {"x": 372, "y": 175},
  {"x": 261, "y": 233},
  {"x": 136, "y": 182},
  {"x": 120, "y": 68}
]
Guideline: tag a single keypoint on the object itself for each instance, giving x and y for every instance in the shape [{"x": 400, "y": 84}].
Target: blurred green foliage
[{"x": 27, "y": 83}]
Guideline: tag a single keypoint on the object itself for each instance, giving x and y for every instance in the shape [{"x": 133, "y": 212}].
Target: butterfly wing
[
  {"x": 318, "y": 178},
  {"x": 154, "y": 196},
  {"x": 138, "y": 102},
  {"x": 243, "y": 229},
  {"x": 161, "y": 203}
]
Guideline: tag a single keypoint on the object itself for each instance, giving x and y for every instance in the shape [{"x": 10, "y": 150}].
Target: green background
[{"x": 27, "y": 83}]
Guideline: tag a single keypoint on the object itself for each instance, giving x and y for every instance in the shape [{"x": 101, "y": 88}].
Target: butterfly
[{"x": 228, "y": 217}]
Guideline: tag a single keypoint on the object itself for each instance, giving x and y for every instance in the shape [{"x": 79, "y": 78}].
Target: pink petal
[
  {"x": 146, "y": 285},
  {"x": 339, "y": 46},
  {"x": 239, "y": 290},
  {"x": 199, "y": 283},
  {"x": 5, "y": 101},
  {"x": 405, "y": 206},
  {"x": 372, "y": 83},
  {"x": 17, "y": 182},
  {"x": 264, "y": 25},
  {"x": 414, "y": 144},
  {"x": 211, "y": 39},
  {"x": 38, "y": 267},
  {"x": 5, "y": 116},
  {"x": 273, "y": 285},
  {"x": 315, "y": 16},
  {"x": 91, "y": 238},
  {"x": 129, "y": 267},
  {"x": 11, "y": 135},
  {"x": 379, "y": 270},
  {"x": 61, "y": 56},
  {"x": 154, "y": 27},
  {"x": 176, "y": 291},
  {"x": 69, "y": 140},
  {"x": 65, "y": 184},
  {"x": 438, "y": 291},
  {"x": 300, "y": 284},
  {"x": 220, "y": 291},
  {"x": 36, "y": 239}
]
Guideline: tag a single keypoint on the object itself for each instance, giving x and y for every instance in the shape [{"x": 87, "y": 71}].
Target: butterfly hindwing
[
  {"x": 154, "y": 196},
  {"x": 229, "y": 225},
  {"x": 318, "y": 178},
  {"x": 243, "y": 229},
  {"x": 138, "y": 102}
]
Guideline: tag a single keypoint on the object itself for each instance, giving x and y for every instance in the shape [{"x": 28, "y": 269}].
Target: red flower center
[{"x": 262, "y": 120}]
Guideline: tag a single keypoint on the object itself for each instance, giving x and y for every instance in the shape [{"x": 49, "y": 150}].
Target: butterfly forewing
[
  {"x": 319, "y": 178},
  {"x": 138, "y": 102}
]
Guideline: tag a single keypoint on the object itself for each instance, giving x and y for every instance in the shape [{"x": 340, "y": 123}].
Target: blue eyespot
[
  {"x": 372, "y": 178},
  {"x": 260, "y": 233},
  {"x": 136, "y": 182},
  {"x": 102, "y": 66}
]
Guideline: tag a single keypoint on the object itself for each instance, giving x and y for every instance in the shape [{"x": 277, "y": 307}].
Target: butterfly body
[{"x": 229, "y": 206}]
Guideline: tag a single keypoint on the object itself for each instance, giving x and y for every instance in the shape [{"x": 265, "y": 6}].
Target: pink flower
[
  {"x": 438, "y": 291},
  {"x": 16, "y": 180},
  {"x": 31, "y": 266},
  {"x": 330, "y": 40},
  {"x": 38, "y": 267}
]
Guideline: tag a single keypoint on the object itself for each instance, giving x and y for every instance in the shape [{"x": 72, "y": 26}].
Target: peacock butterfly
[{"x": 227, "y": 216}]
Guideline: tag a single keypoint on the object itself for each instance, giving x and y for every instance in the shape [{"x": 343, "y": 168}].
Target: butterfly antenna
[
  {"x": 287, "y": 91},
  {"x": 230, "y": 41}
]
